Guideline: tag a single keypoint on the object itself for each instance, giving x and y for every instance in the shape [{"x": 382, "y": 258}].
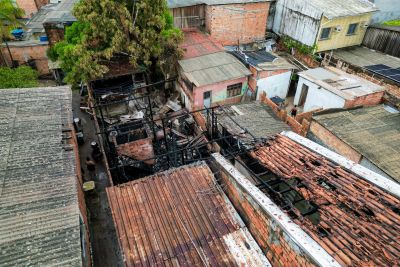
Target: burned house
[
  {"x": 43, "y": 219},
  {"x": 300, "y": 201},
  {"x": 181, "y": 217}
]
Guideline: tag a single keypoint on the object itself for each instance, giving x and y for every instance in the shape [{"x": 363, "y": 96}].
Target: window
[
  {"x": 234, "y": 90},
  {"x": 325, "y": 33},
  {"x": 352, "y": 29}
]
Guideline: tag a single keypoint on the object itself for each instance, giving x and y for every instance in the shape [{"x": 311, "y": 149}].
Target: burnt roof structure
[
  {"x": 181, "y": 217},
  {"x": 39, "y": 208},
  {"x": 353, "y": 219}
]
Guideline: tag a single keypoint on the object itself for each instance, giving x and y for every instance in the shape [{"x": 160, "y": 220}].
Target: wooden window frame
[{"x": 234, "y": 90}]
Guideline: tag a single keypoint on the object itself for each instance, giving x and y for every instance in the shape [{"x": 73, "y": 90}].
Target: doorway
[
  {"x": 303, "y": 96},
  {"x": 207, "y": 99}
]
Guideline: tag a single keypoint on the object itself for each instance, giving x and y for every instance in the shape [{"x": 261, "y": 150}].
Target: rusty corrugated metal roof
[
  {"x": 356, "y": 222},
  {"x": 181, "y": 217},
  {"x": 197, "y": 44}
]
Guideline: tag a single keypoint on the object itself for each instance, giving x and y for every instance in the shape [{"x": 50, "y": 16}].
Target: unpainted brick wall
[
  {"x": 276, "y": 244},
  {"x": 297, "y": 127},
  {"x": 24, "y": 53},
  {"x": 334, "y": 142},
  {"x": 29, "y": 6},
  {"x": 53, "y": 33},
  {"x": 367, "y": 100},
  {"x": 245, "y": 23}
]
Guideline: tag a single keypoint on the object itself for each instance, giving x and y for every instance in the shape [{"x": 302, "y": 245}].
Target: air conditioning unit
[{"x": 338, "y": 28}]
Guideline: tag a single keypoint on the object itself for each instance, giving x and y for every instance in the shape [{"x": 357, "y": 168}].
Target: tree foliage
[
  {"x": 20, "y": 77},
  {"x": 9, "y": 15},
  {"x": 142, "y": 30}
]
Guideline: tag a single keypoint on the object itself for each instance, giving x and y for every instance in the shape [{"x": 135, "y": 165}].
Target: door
[
  {"x": 303, "y": 96},
  {"x": 207, "y": 99}
]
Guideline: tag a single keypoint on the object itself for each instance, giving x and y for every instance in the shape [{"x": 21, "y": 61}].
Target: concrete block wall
[
  {"x": 24, "y": 53},
  {"x": 231, "y": 23}
]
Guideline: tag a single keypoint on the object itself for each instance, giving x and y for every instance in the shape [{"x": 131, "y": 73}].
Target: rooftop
[
  {"x": 62, "y": 13},
  {"x": 184, "y": 3},
  {"x": 263, "y": 60},
  {"x": 331, "y": 8},
  {"x": 197, "y": 44},
  {"x": 39, "y": 212},
  {"x": 325, "y": 200},
  {"x": 257, "y": 118},
  {"x": 345, "y": 85},
  {"x": 213, "y": 68},
  {"x": 372, "y": 131},
  {"x": 362, "y": 57},
  {"x": 181, "y": 217}
]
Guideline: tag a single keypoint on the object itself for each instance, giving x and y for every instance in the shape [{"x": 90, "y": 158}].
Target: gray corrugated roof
[
  {"x": 373, "y": 132},
  {"x": 63, "y": 12},
  {"x": 39, "y": 212},
  {"x": 258, "y": 118},
  {"x": 183, "y": 3},
  {"x": 343, "y": 8},
  {"x": 213, "y": 68},
  {"x": 331, "y": 8}
]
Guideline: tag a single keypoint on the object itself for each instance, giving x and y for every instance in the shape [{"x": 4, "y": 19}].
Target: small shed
[
  {"x": 217, "y": 78},
  {"x": 332, "y": 88}
]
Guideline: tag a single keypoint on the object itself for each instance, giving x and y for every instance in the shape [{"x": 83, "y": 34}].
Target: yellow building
[{"x": 328, "y": 24}]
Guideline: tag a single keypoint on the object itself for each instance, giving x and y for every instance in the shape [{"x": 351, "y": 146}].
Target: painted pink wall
[{"x": 218, "y": 91}]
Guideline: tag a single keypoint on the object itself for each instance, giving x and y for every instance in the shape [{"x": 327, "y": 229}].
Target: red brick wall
[
  {"x": 141, "y": 150},
  {"x": 273, "y": 241},
  {"x": 23, "y": 53},
  {"x": 54, "y": 34},
  {"x": 29, "y": 6},
  {"x": 243, "y": 22},
  {"x": 367, "y": 100},
  {"x": 334, "y": 142}
]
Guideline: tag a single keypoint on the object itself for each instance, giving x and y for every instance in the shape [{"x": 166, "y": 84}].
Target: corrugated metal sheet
[
  {"x": 259, "y": 119},
  {"x": 383, "y": 38},
  {"x": 181, "y": 218},
  {"x": 373, "y": 132},
  {"x": 355, "y": 221},
  {"x": 39, "y": 212},
  {"x": 300, "y": 19},
  {"x": 213, "y": 68}
]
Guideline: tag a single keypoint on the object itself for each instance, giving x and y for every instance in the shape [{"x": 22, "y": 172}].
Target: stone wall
[{"x": 245, "y": 23}]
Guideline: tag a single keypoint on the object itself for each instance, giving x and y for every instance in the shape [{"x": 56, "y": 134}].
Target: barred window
[{"x": 234, "y": 90}]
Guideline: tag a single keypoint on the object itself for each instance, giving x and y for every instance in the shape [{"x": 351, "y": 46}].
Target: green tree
[
  {"x": 21, "y": 77},
  {"x": 142, "y": 30},
  {"x": 9, "y": 15}
]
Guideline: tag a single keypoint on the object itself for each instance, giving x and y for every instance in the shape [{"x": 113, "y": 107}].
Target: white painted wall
[
  {"x": 317, "y": 97},
  {"x": 276, "y": 85}
]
